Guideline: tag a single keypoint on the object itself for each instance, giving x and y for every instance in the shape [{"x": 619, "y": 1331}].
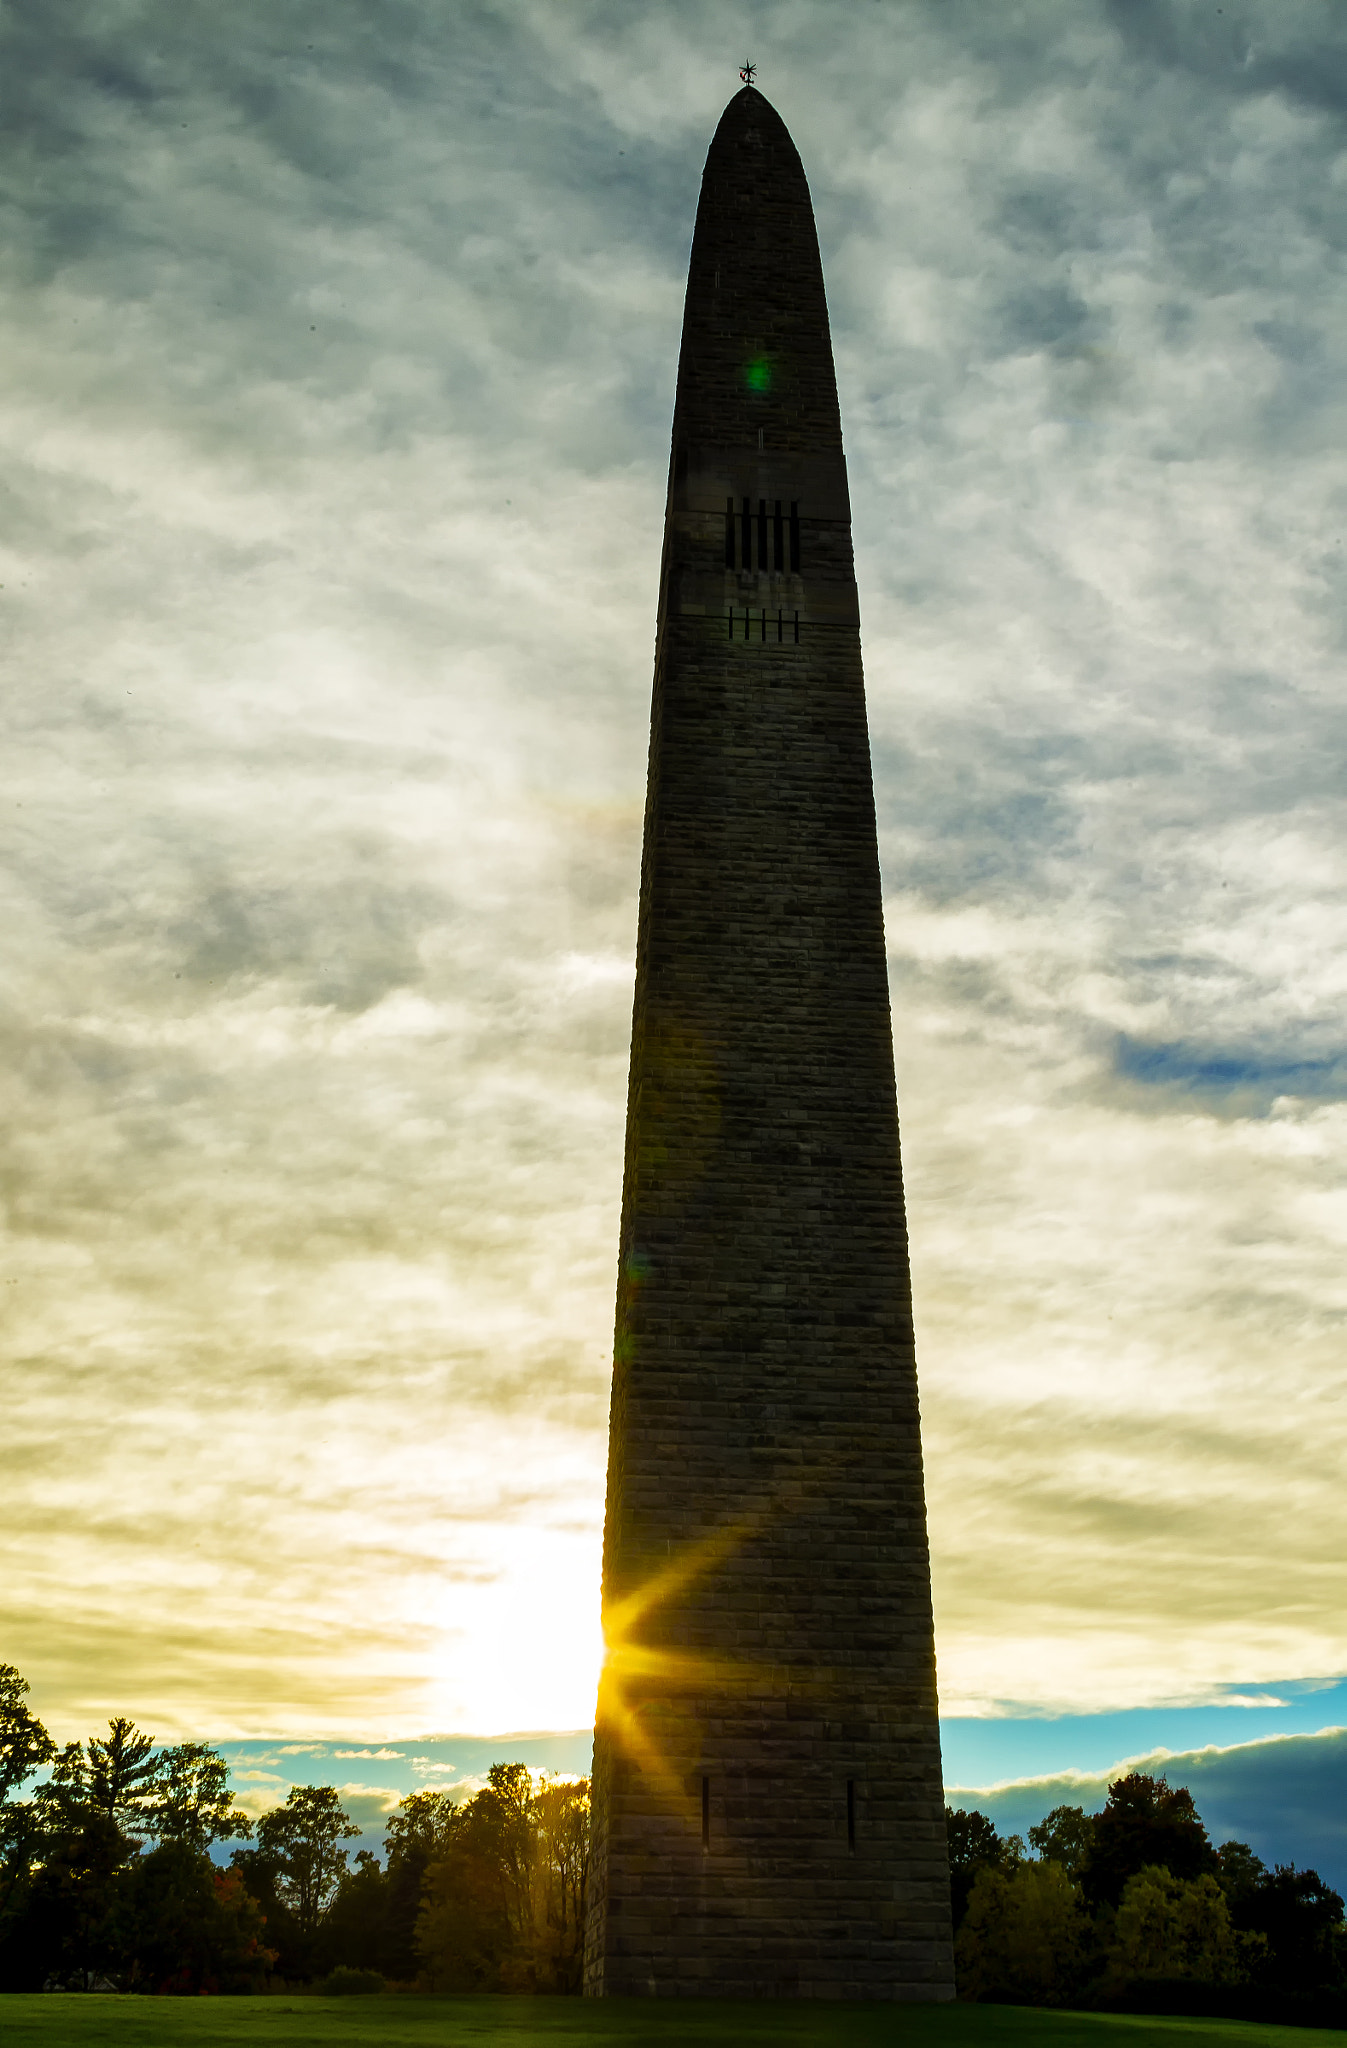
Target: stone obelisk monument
[{"x": 768, "y": 1808}]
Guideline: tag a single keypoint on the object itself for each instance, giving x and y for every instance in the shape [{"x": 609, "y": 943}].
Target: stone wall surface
[{"x": 768, "y": 1809}]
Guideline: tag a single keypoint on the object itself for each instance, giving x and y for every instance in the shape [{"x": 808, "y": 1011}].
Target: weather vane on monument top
[{"x": 748, "y": 72}]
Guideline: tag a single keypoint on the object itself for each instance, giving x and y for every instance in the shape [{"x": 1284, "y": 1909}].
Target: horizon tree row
[
  {"x": 1134, "y": 1907},
  {"x": 107, "y": 1879}
]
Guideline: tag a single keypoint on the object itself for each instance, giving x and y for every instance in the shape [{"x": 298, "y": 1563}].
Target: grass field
[{"x": 55, "y": 2021}]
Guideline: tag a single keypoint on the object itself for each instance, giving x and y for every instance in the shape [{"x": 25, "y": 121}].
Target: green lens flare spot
[{"x": 758, "y": 375}]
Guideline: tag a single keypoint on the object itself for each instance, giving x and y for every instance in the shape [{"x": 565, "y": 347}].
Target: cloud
[
  {"x": 1283, "y": 1796},
  {"x": 341, "y": 367}
]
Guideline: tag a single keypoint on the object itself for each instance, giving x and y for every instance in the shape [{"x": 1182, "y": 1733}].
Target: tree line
[
  {"x": 107, "y": 1877},
  {"x": 111, "y": 1876},
  {"x": 1134, "y": 1908}
]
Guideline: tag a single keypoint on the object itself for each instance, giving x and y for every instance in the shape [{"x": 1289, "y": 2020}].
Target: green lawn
[{"x": 56, "y": 2021}]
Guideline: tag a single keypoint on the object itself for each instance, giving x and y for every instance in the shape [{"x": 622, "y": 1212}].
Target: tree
[
  {"x": 974, "y": 1845},
  {"x": 503, "y": 1900},
  {"x": 25, "y": 1745},
  {"x": 183, "y": 1925},
  {"x": 68, "y": 1930},
  {"x": 1024, "y": 1934},
  {"x": 1145, "y": 1824},
  {"x": 1064, "y": 1836},
  {"x": 356, "y": 1929},
  {"x": 121, "y": 1770},
  {"x": 416, "y": 1836},
  {"x": 561, "y": 1841},
  {"x": 473, "y": 1923},
  {"x": 1172, "y": 1927},
  {"x": 1238, "y": 1870},
  {"x": 295, "y": 1870},
  {"x": 1299, "y": 1918},
  {"x": 189, "y": 1800}
]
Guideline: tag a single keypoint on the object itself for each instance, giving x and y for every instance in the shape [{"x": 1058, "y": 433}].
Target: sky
[{"x": 338, "y": 370}]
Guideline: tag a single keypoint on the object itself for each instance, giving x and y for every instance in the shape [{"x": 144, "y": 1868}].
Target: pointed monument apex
[{"x": 768, "y": 1813}]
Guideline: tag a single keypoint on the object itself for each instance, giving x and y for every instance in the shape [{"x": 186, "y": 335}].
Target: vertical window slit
[
  {"x": 779, "y": 627},
  {"x": 731, "y": 621},
  {"x": 762, "y": 533},
  {"x": 764, "y": 624},
  {"x": 706, "y": 1813},
  {"x": 851, "y": 1812},
  {"x": 797, "y": 629},
  {"x": 795, "y": 536},
  {"x": 746, "y": 538},
  {"x": 778, "y": 539},
  {"x": 729, "y": 533}
]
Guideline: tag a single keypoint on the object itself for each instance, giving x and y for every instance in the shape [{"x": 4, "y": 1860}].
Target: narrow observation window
[
  {"x": 795, "y": 536},
  {"x": 780, "y": 630},
  {"x": 851, "y": 1812},
  {"x": 731, "y": 621},
  {"x": 729, "y": 533},
  {"x": 706, "y": 1813},
  {"x": 778, "y": 540},
  {"x": 747, "y": 537},
  {"x": 797, "y": 629},
  {"x": 762, "y": 533},
  {"x": 764, "y": 623}
]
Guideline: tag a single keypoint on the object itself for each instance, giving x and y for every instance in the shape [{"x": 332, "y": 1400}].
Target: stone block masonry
[{"x": 768, "y": 1807}]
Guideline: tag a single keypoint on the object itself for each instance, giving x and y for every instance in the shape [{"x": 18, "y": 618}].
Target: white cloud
[{"x": 336, "y": 443}]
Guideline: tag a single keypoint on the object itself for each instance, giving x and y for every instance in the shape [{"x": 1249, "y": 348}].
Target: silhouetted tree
[
  {"x": 25, "y": 1745},
  {"x": 183, "y": 1925},
  {"x": 295, "y": 1869},
  {"x": 119, "y": 1771},
  {"x": 974, "y": 1845},
  {"x": 503, "y": 1902},
  {"x": 1064, "y": 1836},
  {"x": 1300, "y": 1919},
  {"x": 1024, "y": 1935},
  {"x": 188, "y": 1798},
  {"x": 1145, "y": 1823},
  {"x": 357, "y": 1933},
  {"x": 1237, "y": 1869},
  {"x": 69, "y": 1921},
  {"x": 416, "y": 1836}
]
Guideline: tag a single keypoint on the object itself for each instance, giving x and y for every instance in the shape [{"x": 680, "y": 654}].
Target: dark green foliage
[
  {"x": 181, "y": 1924},
  {"x": 188, "y": 1798},
  {"x": 1145, "y": 1824},
  {"x": 1237, "y": 1870},
  {"x": 295, "y": 1870},
  {"x": 68, "y": 1936},
  {"x": 1064, "y": 1836},
  {"x": 344, "y": 1983},
  {"x": 24, "y": 1743},
  {"x": 974, "y": 1845},
  {"x": 1300, "y": 1919},
  {"x": 119, "y": 1772},
  {"x": 1143, "y": 1914},
  {"x": 357, "y": 1931},
  {"x": 417, "y": 1836}
]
